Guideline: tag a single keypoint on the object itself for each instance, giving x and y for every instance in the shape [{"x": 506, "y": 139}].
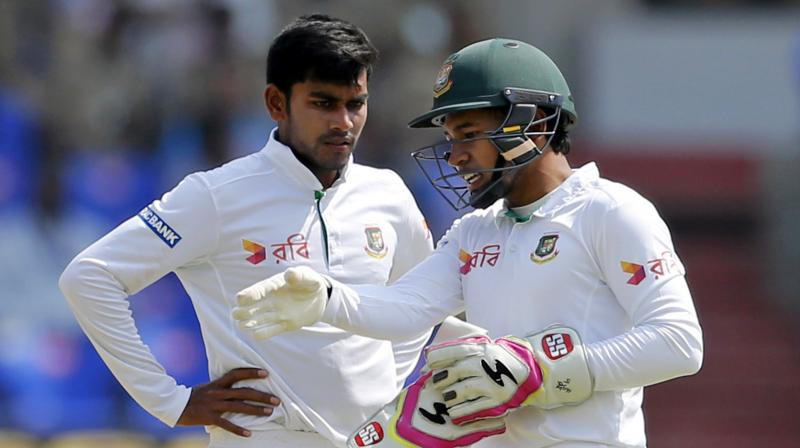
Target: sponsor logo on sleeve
[
  {"x": 661, "y": 267},
  {"x": 636, "y": 270},
  {"x": 167, "y": 234},
  {"x": 664, "y": 265}
]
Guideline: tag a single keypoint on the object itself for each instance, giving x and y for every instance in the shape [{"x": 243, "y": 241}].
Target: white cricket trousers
[{"x": 274, "y": 438}]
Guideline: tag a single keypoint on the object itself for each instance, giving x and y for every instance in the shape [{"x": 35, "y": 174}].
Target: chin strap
[
  {"x": 520, "y": 150},
  {"x": 495, "y": 190}
]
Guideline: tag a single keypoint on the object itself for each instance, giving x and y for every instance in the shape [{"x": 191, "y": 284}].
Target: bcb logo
[
  {"x": 369, "y": 435},
  {"x": 557, "y": 345}
]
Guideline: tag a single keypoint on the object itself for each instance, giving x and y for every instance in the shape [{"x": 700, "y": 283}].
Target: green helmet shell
[{"x": 475, "y": 77}]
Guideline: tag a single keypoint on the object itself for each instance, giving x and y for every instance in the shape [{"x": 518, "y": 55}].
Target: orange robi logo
[
  {"x": 636, "y": 271},
  {"x": 259, "y": 252},
  {"x": 489, "y": 255}
]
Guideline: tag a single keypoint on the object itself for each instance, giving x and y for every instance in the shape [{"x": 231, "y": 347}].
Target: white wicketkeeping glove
[
  {"x": 418, "y": 418},
  {"x": 284, "y": 302},
  {"x": 482, "y": 378}
]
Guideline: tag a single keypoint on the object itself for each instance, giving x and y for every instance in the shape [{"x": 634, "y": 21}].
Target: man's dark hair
[
  {"x": 321, "y": 48},
  {"x": 560, "y": 141}
]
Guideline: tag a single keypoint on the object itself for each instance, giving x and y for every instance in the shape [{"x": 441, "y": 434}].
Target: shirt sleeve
[
  {"x": 638, "y": 262},
  {"x": 414, "y": 244},
  {"x": 177, "y": 230},
  {"x": 414, "y": 241},
  {"x": 420, "y": 299}
]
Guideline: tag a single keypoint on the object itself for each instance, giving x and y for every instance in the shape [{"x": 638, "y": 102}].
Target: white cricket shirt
[
  {"x": 225, "y": 229},
  {"x": 594, "y": 256}
]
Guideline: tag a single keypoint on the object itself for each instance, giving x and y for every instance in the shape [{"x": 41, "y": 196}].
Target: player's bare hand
[{"x": 209, "y": 402}]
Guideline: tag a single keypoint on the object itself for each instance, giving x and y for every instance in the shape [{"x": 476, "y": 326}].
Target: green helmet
[
  {"x": 495, "y": 73},
  {"x": 476, "y": 76}
]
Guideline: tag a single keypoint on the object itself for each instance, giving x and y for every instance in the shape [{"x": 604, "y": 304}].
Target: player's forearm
[
  {"x": 100, "y": 305},
  {"x": 648, "y": 354},
  {"x": 394, "y": 313}
]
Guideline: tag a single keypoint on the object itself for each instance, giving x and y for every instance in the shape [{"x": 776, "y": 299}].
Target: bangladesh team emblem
[
  {"x": 546, "y": 250},
  {"x": 376, "y": 248},
  {"x": 443, "y": 81}
]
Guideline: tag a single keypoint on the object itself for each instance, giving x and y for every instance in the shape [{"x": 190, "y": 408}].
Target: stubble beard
[{"x": 318, "y": 159}]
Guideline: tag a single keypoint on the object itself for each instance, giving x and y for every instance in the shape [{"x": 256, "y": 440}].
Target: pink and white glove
[
  {"x": 418, "y": 418},
  {"x": 483, "y": 378}
]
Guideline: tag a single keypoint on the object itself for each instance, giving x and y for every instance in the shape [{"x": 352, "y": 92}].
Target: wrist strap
[{"x": 560, "y": 355}]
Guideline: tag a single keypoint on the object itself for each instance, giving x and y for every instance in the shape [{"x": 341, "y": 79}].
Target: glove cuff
[{"x": 567, "y": 379}]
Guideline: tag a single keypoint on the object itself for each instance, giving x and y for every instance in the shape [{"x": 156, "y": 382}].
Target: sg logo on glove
[
  {"x": 557, "y": 345},
  {"x": 418, "y": 418},
  {"x": 369, "y": 435}
]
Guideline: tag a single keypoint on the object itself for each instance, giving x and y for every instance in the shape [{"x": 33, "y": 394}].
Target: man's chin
[
  {"x": 341, "y": 160},
  {"x": 487, "y": 195},
  {"x": 481, "y": 198},
  {"x": 336, "y": 164}
]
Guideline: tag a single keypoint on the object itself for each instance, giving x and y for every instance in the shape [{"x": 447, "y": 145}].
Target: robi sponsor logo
[
  {"x": 167, "y": 234},
  {"x": 635, "y": 269},
  {"x": 489, "y": 255},
  {"x": 294, "y": 246},
  {"x": 259, "y": 252},
  {"x": 663, "y": 267}
]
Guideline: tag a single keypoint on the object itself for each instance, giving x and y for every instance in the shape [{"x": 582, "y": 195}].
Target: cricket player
[
  {"x": 299, "y": 201},
  {"x": 574, "y": 277}
]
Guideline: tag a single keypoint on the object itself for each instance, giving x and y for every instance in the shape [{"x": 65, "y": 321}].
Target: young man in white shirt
[
  {"x": 547, "y": 246},
  {"x": 300, "y": 201}
]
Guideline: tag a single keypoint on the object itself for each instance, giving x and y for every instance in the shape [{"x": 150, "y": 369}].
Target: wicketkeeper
[{"x": 573, "y": 276}]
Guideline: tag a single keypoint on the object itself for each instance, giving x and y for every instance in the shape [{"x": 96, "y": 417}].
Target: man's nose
[
  {"x": 341, "y": 119},
  {"x": 456, "y": 156}
]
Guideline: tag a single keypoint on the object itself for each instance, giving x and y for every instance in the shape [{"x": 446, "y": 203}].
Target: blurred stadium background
[{"x": 106, "y": 104}]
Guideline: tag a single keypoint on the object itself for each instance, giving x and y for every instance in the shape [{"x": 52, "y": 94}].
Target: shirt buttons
[{"x": 512, "y": 249}]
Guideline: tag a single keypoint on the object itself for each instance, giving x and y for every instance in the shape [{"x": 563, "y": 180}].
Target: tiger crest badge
[
  {"x": 546, "y": 249},
  {"x": 443, "y": 81},
  {"x": 376, "y": 247}
]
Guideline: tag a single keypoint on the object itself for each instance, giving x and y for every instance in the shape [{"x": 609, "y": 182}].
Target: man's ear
[
  {"x": 540, "y": 140},
  {"x": 541, "y": 113},
  {"x": 277, "y": 103}
]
